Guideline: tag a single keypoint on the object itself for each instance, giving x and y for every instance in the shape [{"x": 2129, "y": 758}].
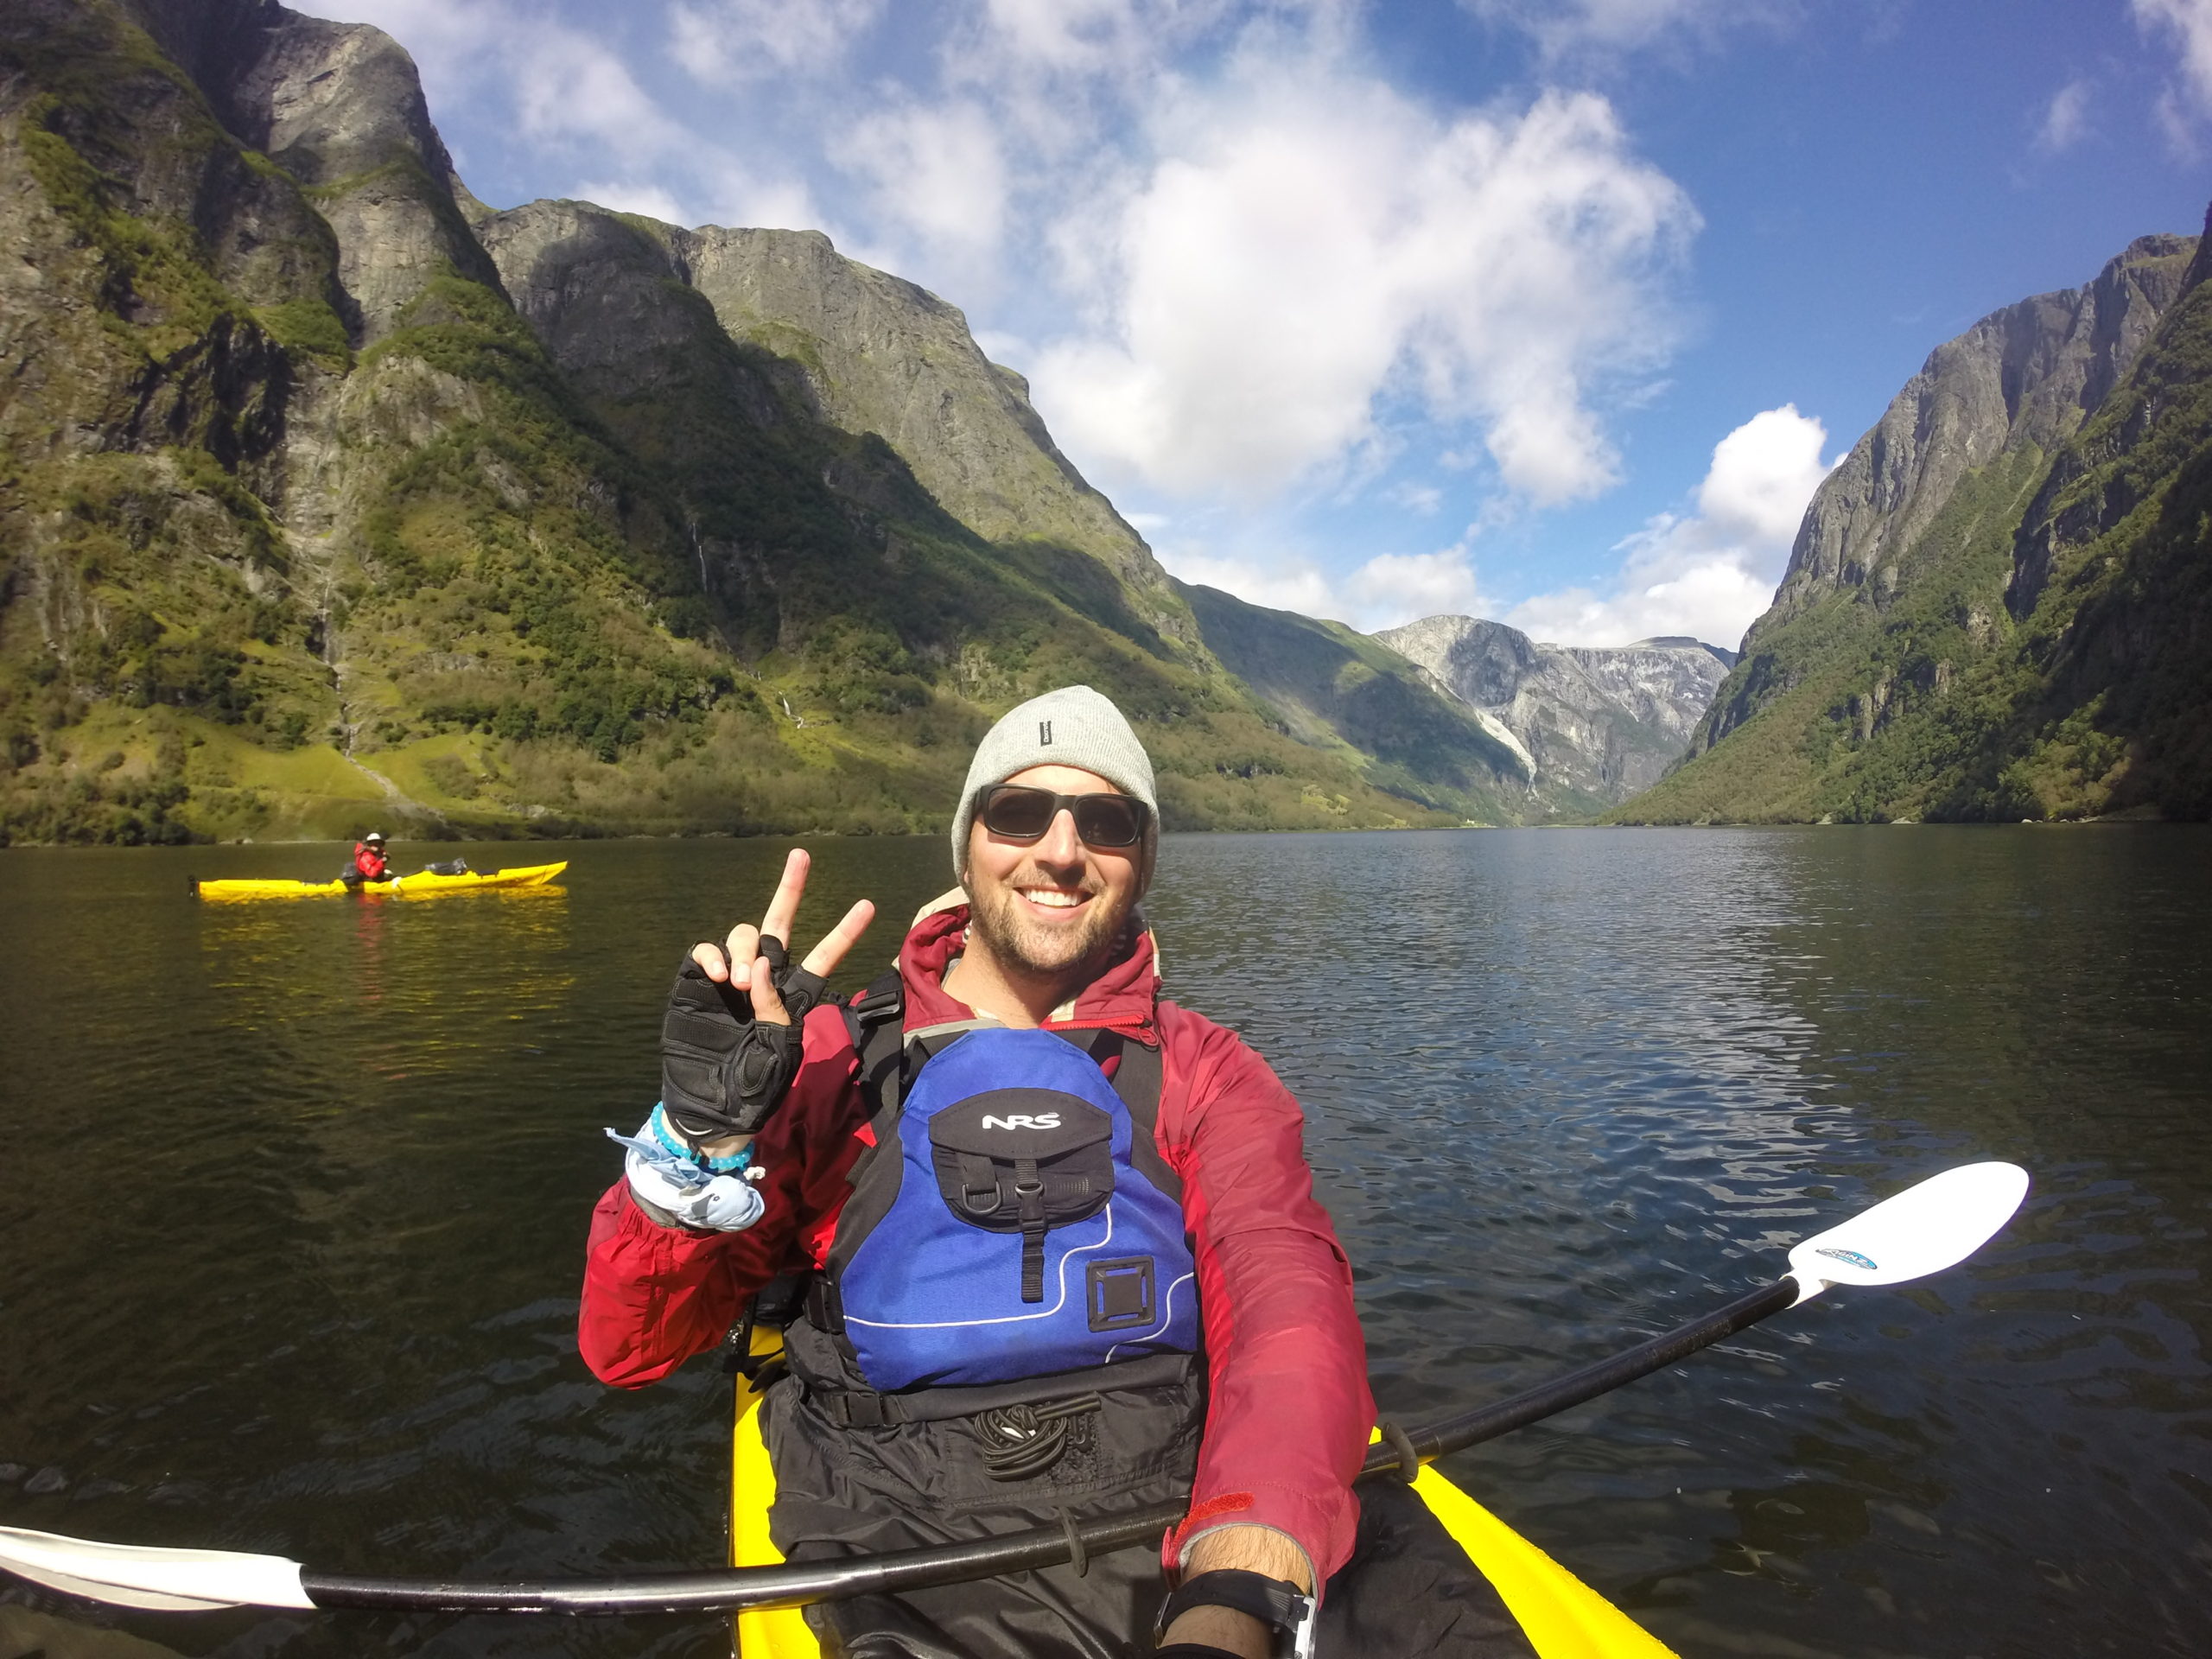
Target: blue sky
[{"x": 1549, "y": 310}]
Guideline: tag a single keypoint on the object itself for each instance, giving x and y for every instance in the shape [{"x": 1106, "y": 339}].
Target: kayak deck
[
  {"x": 422, "y": 884},
  {"x": 1562, "y": 1617}
]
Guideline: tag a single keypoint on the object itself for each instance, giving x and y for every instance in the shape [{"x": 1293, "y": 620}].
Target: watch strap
[{"x": 1276, "y": 1602}]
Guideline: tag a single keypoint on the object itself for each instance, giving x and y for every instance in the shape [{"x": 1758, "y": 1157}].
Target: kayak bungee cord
[{"x": 1926, "y": 1228}]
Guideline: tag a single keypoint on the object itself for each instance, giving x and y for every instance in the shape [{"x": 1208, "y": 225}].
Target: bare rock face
[
  {"x": 2013, "y": 388},
  {"x": 2027, "y": 374},
  {"x": 1664, "y": 683},
  {"x": 606, "y": 294},
  {"x": 2064, "y": 515},
  {"x": 1993, "y": 609},
  {"x": 1600, "y": 722},
  {"x": 340, "y": 107}
]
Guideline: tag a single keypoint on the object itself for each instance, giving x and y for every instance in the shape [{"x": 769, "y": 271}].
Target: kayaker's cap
[
  {"x": 373, "y": 834},
  {"x": 1072, "y": 727}
]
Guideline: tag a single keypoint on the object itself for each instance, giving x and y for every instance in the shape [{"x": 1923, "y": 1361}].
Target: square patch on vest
[{"x": 1120, "y": 1293}]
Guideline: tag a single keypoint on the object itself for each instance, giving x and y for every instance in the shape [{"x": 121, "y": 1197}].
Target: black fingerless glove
[{"x": 721, "y": 1070}]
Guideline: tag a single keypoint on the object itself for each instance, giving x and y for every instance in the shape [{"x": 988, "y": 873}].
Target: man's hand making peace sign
[{"x": 731, "y": 1042}]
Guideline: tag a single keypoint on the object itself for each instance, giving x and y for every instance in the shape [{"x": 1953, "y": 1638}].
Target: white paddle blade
[
  {"x": 143, "y": 1575},
  {"x": 1924, "y": 1229}
]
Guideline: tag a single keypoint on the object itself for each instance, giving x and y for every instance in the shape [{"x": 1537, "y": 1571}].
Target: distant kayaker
[
  {"x": 368, "y": 861},
  {"x": 1060, "y": 1248}
]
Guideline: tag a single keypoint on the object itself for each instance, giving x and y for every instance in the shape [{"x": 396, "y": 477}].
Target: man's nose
[{"x": 1061, "y": 845}]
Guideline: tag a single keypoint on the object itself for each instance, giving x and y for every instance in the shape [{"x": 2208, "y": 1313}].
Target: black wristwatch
[{"x": 1276, "y": 1602}]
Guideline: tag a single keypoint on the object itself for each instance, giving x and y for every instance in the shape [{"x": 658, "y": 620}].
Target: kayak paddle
[{"x": 1924, "y": 1229}]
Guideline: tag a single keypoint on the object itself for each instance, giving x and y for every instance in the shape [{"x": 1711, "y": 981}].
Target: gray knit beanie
[{"x": 1072, "y": 727}]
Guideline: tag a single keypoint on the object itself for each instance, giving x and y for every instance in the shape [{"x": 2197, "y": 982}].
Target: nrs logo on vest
[{"x": 1023, "y": 1120}]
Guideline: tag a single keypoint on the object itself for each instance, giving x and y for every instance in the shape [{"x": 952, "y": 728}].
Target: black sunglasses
[{"x": 1021, "y": 812}]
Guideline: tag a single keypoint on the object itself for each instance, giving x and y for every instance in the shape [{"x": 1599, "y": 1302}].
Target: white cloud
[
  {"x": 1394, "y": 588},
  {"x": 737, "y": 196},
  {"x": 1288, "y": 586},
  {"x": 1763, "y": 473},
  {"x": 2065, "y": 119},
  {"x": 2188, "y": 100},
  {"x": 938, "y": 172},
  {"x": 568, "y": 87},
  {"x": 630, "y": 196},
  {"x": 746, "y": 40},
  {"x": 1389, "y": 588},
  {"x": 1113, "y": 40},
  {"x": 1578, "y": 28},
  {"x": 1709, "y": 574},
  {"x": 1306, "y": 243},
  {"x": 2191, "y": 21}
]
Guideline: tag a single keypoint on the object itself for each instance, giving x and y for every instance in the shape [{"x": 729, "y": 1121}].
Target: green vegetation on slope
[
  {"x": 2091, "y": 694},
  {"x": 496, "y": 596}
]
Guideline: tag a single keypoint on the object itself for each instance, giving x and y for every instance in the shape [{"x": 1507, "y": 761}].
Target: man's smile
[{"x": 1060, "y": 898}]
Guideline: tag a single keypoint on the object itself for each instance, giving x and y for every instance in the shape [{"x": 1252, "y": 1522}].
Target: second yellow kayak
[{"x": 420, "y": 884}]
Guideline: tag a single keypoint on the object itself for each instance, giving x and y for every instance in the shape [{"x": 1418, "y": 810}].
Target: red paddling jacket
[{"x": 1289, "y": 1411}]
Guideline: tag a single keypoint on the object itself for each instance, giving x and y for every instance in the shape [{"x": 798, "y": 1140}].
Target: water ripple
[{"x": 296, "y": 1195}]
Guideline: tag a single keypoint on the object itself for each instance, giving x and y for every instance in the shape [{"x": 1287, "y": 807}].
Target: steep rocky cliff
[
  {"x": 1594, "y": 723},
  {"x": 1335, "y": 687},
  {"x": 327, "y": 492},
  {"x": 1996, "y": 607}
]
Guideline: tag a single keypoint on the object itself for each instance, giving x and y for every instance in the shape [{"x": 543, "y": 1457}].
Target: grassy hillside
[{"x": 261, "y": 577}]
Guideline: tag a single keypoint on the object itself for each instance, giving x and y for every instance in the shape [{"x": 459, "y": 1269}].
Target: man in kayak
[
  {"x": 367, "y": 863},
  {"x": 1062, "y": 1252}
]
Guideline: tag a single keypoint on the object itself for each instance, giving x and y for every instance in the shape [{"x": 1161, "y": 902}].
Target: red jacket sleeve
[
  {"x": 1289, "y": 1412},
  {"x": 654, "y": 1295}
]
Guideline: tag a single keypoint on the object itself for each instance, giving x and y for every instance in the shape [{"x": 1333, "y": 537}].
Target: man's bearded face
[{"x": 1052, "y": 907}]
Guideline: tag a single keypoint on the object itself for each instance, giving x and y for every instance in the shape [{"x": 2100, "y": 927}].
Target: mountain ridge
[
  {"x": 1929, "y": 652},
  {"x": 331, "y": 493},
  {"x": 1593, "y": 724}
]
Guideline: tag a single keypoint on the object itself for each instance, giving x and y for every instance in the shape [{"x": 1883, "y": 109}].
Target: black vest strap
[{"x": 1139, "y": 1076}]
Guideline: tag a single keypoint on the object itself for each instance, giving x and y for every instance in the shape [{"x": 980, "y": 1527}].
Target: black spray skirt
[{"x": 1409, "y": 1588}]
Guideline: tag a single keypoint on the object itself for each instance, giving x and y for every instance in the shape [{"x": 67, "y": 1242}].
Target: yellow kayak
[
  {"x": 1562, "y": 1617},
  {"x": 422, "y": 884}
]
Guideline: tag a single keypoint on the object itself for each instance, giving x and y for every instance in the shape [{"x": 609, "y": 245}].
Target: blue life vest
[{"x": 1023, "y": 1237}]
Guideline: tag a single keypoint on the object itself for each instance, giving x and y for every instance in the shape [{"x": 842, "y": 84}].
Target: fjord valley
[
  {"x": 330, "y": 494},
  {"x": 327, "y": 492}
]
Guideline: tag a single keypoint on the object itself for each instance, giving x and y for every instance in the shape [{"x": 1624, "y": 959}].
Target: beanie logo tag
[{"x": 1044, "y": 734}]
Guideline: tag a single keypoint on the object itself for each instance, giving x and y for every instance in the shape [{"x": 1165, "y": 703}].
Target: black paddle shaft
[
  {"x": 1600, "y": 1376},
  {"x": 797, "y": 1583}
]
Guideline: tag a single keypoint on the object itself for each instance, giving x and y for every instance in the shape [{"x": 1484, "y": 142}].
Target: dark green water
[{"x": 293, "y": 1195}]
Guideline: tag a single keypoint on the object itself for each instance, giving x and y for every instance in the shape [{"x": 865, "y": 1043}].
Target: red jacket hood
[{"x": 1124, "y": 997}]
